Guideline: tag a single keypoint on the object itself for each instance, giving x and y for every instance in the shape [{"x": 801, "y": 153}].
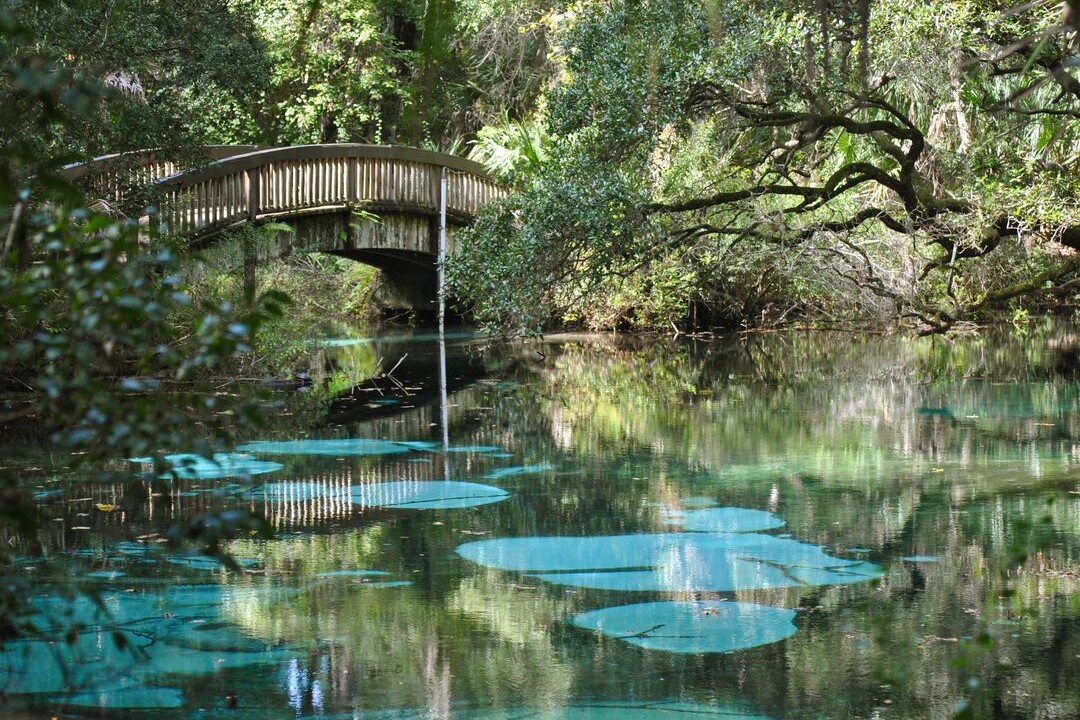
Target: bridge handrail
[
  {"x": 256, "y": 158},
  {"x": 289, "y": 181},
  {"x": 148, "y": 160}
]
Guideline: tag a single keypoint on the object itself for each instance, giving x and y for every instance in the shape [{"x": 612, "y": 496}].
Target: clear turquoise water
[{"x": 795, "y": 526}]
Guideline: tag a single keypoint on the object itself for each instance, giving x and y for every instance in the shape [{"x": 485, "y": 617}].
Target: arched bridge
[{"x": 373, "y": 203}]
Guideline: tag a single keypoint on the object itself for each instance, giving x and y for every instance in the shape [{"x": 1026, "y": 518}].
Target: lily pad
[
  {"x": 178, "y": 629},
  {"x": 388, "y": 584},
  {"x": 406, "y": 494},
  {"x": 519, "y": 470},
  {"x": 691, "y": 627},
  {"x": 351, "y": 573},
  {"x": 687, "y": 562},
  {"x": 426, "y": 495},
  {"x": 346, "y": 446},
  {"x": 300, "y": 491},
  {"x": 124, "y": 697},
  {"x": 479, "y": 449},
  {"x": 725, "y": 520},
  {"x": 420, "y": 444},
  {"x": 105, "y": 574},
  {"x": 189, "y": 466},
  {"x": 205, "y": 562},
  {"x": 598, "y": 710}
]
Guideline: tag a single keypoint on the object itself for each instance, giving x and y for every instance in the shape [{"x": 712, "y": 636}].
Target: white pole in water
[
  {"x": 442, "y": 251},
  {"x": 445, "y": 412}
]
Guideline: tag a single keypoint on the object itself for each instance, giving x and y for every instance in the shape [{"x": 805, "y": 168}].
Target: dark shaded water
[{"x": 790, "y": 526}]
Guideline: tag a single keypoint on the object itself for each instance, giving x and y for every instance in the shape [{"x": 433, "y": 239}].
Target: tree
[
  {"x": 154, "y": 68},
  {"x": 86, "y": 336},
  {"x": 854, "y": 160}
]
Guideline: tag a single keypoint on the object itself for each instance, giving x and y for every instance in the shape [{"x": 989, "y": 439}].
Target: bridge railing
[
  {"x": 317, "y": 178},
  {"x": 113, "y": 177}
]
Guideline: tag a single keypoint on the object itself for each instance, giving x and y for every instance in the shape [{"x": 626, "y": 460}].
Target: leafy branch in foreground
[{"x": 90, "y": 356}]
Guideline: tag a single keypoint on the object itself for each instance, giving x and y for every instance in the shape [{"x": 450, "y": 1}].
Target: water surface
[{"x": 786, "y": 526}]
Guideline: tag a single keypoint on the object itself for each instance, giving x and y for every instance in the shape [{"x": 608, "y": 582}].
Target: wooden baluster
[
  {"x": 391, "y": 178},
  {"x": 352, "y": 192},
  {"x": 306, "y": 189},
  {"x": 341, "y": 192},
  {"x": 251, "y": 180},
  {"x": 219, "y": 200},
  {"x": 284, "y": 174},
  {"x": 214, "y": 191},
  {"x": 325, "y": 170},
  {"x": 295, "y": 185},
  {"x": 285, "y": 177},
  {"x": 206, "y": 203},
  {"x": 230, "y": 196},
  {"x": 269, "y": 182},
  {"x": 288, "y": 182},
  {"x": 308, "y": 184}
]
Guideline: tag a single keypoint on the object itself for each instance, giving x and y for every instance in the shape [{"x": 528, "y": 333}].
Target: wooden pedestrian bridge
[{"x": 377, "y": 204}]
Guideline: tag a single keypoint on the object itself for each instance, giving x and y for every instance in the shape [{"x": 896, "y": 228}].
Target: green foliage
[
  {"x": 623, "y": 62},
  {"x": 799, "y": 162},
  {"x": 549, "y": 248},
  {"x": 123, "y": 74},
  {"x": 379, "y": 71},
  {"x": 88, "y": 325},
  {"x": 335, "y": 69},
  {"x": 325, "y": 292},
  {"x": 511, "y": 149},
  {"x": 87, "y": 340},
  {"x": 511, "y": 55}
]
